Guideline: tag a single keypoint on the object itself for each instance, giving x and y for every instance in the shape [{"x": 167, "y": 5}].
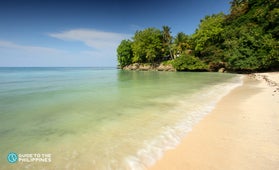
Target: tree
[
  {"x": 209, "y": 32},
  {"x": 125, "y": 53},
  {"x": 249, "y": 48},
  {"x": 238, "y": 8},
  {"x": 273, "y": 20},
  {"x": 181, "y": 43},
  {"x": 147, "y": 45},
  {"x": 167, "y": 40},
  {"x": 251, "y": 37},
  {"x": 247, "y": 39}
]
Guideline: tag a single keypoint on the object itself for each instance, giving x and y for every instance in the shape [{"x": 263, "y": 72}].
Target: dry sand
[{"x": 241, "y": 133}]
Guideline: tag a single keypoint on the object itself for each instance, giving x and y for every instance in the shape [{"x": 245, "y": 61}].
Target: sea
[{"x": 100, "y": 118}]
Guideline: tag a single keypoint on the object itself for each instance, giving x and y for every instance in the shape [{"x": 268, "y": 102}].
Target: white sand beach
[{"x": 241, "y": 133}]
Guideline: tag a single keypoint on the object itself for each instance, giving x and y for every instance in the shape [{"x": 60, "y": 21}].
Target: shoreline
[{"x": 241, "y": 132}]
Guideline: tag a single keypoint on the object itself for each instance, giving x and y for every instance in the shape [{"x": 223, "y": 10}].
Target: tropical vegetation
[{"x": 245, "y": 40}]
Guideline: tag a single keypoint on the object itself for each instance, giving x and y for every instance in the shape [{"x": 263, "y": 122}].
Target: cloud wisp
[
  {"x": 29, "y": 49},
  {"x": 96, "y": 39},
  {"x": 102, "y": 50},
  {"x": 17, "y": 55}
]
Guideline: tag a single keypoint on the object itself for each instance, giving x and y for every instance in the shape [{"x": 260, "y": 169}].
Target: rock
[
  {"x": 134, "y": 66},
  {"x": 149, "y": 67},
  {"x": 221, "y": 70},
  {"x": 144, "y": 67},
  {"x": 163, "y": 67}
]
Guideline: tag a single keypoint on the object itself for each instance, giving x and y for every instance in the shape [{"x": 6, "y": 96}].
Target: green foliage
[
  {"x": 247, "y": 39},
  {"x": 251, "y": 39},
  {"x": 168, "y": 62},
  {"x": 125, "y": 53},
  {"x": 147, "y": 46},
  {"x": 181, "y": 43},
  {"x": 238, "y": 8},
  {"x": 209, "y": 31},
  {"x": 189, "y": 63},
  {"x": 167, "y": 41},
  {"x": 250, "y": 49}
]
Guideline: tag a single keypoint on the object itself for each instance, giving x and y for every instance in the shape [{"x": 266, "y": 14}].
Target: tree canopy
[
  {"x": 125, "y": 53},
  {"x": 147, "y": 45},
  {"x": 246, "y": 39}
]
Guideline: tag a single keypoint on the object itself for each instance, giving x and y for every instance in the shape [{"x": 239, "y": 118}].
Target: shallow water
[{"x": 101, "y": 118}]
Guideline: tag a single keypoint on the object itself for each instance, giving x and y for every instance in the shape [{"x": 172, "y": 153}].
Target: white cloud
[
  {"x": 103, "y": 44},
  {"x": 18, "y": 55},
  {"x": 102, "y": 51},
  {"x": 98, "y": 40},
  {"x": 29, "y": 49}
]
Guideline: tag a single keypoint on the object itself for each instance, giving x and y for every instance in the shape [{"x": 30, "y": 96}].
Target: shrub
[{"x": 189, "y": 63}]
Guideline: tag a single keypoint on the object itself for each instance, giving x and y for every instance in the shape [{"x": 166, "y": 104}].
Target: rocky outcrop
[
  {"x": 149, "y": 67},
  {"x": 222, "y": 70},
  {"x": 167, "y": 67}
]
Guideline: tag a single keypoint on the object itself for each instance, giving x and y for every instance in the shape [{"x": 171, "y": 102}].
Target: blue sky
[{"x": 87, "y": 33}]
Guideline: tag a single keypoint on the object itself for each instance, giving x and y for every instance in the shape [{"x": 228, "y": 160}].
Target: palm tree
[
  {"x": 181, "y": 42},
  {"x": 167, "y": 39}
]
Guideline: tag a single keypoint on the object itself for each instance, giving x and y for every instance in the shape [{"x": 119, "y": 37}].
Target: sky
[{"x": 67, "y": 33}]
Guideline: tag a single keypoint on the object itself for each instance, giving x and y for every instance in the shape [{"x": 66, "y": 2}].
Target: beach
[{"x": 242, "y": 132}]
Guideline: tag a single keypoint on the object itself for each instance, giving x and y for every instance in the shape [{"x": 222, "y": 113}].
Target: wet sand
[{"x": 242, "y": 132}]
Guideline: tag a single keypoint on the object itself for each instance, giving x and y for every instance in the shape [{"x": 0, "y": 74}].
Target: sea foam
[{"x": 171, "y": 136}]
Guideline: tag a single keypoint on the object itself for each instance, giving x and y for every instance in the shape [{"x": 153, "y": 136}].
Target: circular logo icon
[{"x": 12, "y": 157}]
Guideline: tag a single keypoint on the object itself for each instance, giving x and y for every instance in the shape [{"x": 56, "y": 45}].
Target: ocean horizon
[{"x": 101, "y": 117}]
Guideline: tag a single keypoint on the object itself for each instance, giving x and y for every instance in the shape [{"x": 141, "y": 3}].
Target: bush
[{"x": 189, "y": 63}]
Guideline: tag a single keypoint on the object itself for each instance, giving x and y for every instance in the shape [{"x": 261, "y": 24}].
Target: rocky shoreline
[
  {"x": 157, "y": 67},
  {"x": 150, "y": 67}
]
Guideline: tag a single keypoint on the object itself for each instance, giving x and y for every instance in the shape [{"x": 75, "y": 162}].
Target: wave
[{"x": 171, "y": 136}]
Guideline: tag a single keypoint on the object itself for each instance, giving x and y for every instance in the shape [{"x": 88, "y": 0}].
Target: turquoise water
[{"x": 101, "y": 118}]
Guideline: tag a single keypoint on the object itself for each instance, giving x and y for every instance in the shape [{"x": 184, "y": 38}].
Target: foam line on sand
[{"x": 242, "y": 132}]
